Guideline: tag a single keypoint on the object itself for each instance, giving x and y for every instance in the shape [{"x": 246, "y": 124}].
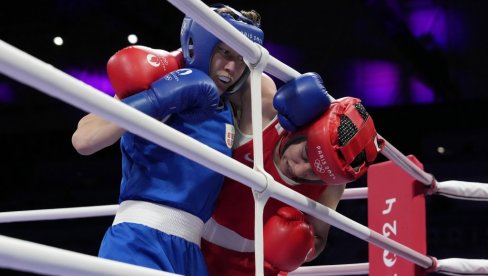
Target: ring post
[{"x": 396, "y": 209}]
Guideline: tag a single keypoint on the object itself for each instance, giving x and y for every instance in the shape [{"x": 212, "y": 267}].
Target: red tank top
[{"x": 235, "y": 205}]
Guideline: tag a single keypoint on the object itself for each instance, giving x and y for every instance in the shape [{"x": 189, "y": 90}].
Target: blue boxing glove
[
  {"x": 189, "y": 92},
  {"x": 300, "y": 101}
]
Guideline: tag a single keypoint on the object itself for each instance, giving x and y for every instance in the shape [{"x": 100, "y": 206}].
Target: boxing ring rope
[
  {"x": 28, "y": 70},
  {"x": 58, "y": 213},
  {"x": 473, "y": 191},
  {"x": 332, "y": 270},
  {"x": 450, "y": 266},
  {"x": 445, "y": 188},
  {"x": 401, "y": 160},
  {"x": 107, "y": 210},
  {"x": 32, "y": 257},
  {"x": 465, "y": 190},
  {"x": 104, "y": 210}
]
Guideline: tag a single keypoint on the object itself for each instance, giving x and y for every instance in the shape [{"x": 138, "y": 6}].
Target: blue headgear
[{"x": 202, "y": 43}]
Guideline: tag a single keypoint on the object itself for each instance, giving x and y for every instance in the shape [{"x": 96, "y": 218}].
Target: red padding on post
[{"x": 396, "y": 209}]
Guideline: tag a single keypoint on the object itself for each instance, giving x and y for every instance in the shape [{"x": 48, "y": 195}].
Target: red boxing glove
[
  {"x": 134, "y": 68},
  {"x": 288, "y": 239}
]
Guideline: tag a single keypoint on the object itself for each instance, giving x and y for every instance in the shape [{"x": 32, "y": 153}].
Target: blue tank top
[{"x": 155, "y": 174}]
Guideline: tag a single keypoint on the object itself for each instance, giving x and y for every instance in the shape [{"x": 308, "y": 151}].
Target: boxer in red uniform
[{"x": 318, "y": 161}]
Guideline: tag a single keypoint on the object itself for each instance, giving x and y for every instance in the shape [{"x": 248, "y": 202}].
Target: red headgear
[{"x": 342, "y": 143}]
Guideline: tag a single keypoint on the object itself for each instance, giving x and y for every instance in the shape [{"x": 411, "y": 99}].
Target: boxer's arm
[
  {"x": 95, "y": 133},
  {"x": 330, "y": 198},
  {"x": 241, "y": 100},
  {"x": 268, "y": 91},
  {"x": 190, "y": 93},
  {"x": 130, "y": 70}
]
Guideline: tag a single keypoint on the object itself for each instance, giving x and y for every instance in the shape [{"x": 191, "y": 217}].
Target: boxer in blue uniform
[{"x": 165, "y": 198}]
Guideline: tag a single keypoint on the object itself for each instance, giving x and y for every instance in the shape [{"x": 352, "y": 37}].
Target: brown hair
[{"x": 253, "y": 16}]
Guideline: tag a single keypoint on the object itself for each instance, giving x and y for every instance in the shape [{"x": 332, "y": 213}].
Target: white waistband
[
  {"x": 163, "y": 218},
  {"x": 224, "y": 237}
]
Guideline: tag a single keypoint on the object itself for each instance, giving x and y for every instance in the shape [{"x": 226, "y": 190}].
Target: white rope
[
  {"x": 58, "y": 213},
  {"x": 107, "y": 210},
  {"x": 451, "y": 266},
  {"x": 332, "y": 270},
  {"x": 42, "y": 259},
  {"x": 475, "y": 191},
  {"x": 355, "y": 193},
  {"x": 260, "y": 197},
  {"x": 462, "y": 267},
  {"x": 406, "y": 164}
]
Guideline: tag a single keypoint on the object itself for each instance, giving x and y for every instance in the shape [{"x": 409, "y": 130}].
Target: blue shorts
[{"x": 144, "y": 246}]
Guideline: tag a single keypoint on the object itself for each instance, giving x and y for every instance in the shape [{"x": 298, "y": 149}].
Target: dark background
[{"x": 385, "y": 52}]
